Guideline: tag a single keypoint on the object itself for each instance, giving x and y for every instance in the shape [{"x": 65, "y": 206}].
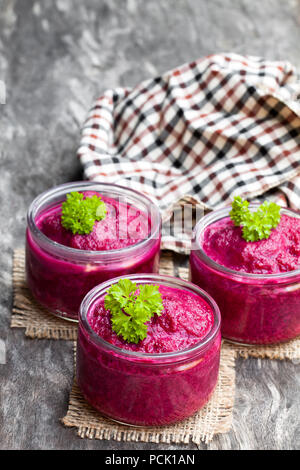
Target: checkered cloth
[{"x": 221, "y": 126}]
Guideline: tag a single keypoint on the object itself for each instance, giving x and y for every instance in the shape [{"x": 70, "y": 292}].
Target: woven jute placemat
[
  {"x": 214, "y": 418},
  {"x": 38, "y": 323}
]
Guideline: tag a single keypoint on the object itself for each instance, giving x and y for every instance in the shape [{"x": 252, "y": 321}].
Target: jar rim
[
  {"x": 67, "y": 251},
  {"x": 215, "y": 216},
  {"x": 170, "y": 281}
]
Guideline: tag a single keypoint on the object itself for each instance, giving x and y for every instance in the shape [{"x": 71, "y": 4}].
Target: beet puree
[
  {"x": 253, "y": 282},
  {"x": 146, "y": 388},
  {"x": 124, "y": 225},
  {"x": 223, "y": 243},
  {"x": 60, "y": 281},
  {"x": 185, "y": 320}
]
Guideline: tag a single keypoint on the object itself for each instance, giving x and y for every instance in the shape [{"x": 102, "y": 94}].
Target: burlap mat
[
  {"x": 38, "y": 323},
  {"x": 214, "y": 418}
]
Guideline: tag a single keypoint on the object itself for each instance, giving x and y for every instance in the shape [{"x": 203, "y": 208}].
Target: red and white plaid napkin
[{"x": 222, "y": 125}]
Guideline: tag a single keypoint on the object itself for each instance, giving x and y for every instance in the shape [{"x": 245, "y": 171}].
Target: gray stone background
[{"x": 56, "y": 56}]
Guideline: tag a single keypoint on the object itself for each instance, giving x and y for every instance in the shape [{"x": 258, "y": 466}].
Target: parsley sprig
[
  {"x": 131, "y": 307},
  {"x": 79, "y": 214},
  {"x": 255, "y": 225}
]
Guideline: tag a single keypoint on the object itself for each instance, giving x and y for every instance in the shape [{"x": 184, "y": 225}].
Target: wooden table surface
[{"x": 55, "y": 58}]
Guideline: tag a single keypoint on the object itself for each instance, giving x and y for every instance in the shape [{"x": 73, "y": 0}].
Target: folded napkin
[{"x": 223, "y": 125}]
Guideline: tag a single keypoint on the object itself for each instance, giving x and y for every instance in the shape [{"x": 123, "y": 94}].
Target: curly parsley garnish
[
  {"x": 131, "y": 309},
  {"x": 79, "y": 214},
  {"x": 255, "y": 225}
]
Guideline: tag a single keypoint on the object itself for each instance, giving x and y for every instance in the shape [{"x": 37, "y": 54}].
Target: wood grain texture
[{"x": 55, "y": 58}]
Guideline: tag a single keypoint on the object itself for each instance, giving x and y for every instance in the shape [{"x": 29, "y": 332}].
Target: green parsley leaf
[
  {"x": 239, "y": 210},
  {"x": 131, "y": 307},
  {"x": 255, "y": 225},
  {"x": 79, "y": 214}
]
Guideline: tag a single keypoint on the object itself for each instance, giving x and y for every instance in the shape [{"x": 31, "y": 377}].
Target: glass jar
[
  {"x": 60, "y": 276},
  {"x": 255, "y": 308},
  {"x": 145, "y": 389}
]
